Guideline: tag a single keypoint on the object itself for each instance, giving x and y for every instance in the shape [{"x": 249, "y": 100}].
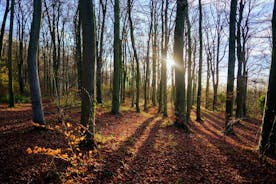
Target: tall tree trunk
[
  {"x": 180, "y": 119},
  {"x": 240, "y": 56},
  {"x": 154, "y": 55},
  {"x": 189, "y": 87},
  {"x": 100, "y": 55},
  {"x": 194, "y": 73},
  {"x": 117, "y": 60},
  {"x": 37, "y": 110},
  {"x": 77, "y": 29},
  {"x": 267, "y": 144},
  {"x": 198, "y": 104},
  {"x": 11, "y": 94},
  {"x": 2, "y": 32},
  {"x": 231, "y": 68},
  {"x": 88, "y": 106},
  {"x": 146, "y": 86},
  {"x": 129, "y": 4},
  {"x": 209, "y": 62}
]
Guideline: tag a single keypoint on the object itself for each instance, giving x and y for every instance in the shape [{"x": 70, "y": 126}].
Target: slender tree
[
  {"x": 154, "y": 51},
  {"x": 231, "y": 69},
  {"x": 146, "y": 86},
  {"x": 180, "y": 119},
  {"x": 267, "y": 144},
  {"x": 11, "y": 94},
  {"x": 100, "y": 52},
  {"x": 37, "y": 110},
  {"x": 2, "y": 32},
  {"x": 117, "y": 60},
  {"x": 198, "y": 105},
  {"x": 87, "y": 18},
  {"x": 129, "y": 5},
  {"x": 189, "y": 87}
]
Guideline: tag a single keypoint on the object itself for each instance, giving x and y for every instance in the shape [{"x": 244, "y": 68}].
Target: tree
[
  {"x": 146, "y": 87},
  {"x": 231, "y": 69},
  {"x": 3, "y": 27},
  {"x": 77, "y": 33},
  {"x": 37, "y": 110},
  {"x": 87, "y": 18},
  {"x": 198, "y": 104},
  {"x": 180, "y": 119},
  {"x": 100, "y": 52},
  {"x": 154, "y": 51},
  {"x": 11, "y": 94},
  {"x": 129, "y": 6},
  {"x": 117, "y": 60},
  {"x": 189, "y": 87},
  {"x": 267, "y": 143}
]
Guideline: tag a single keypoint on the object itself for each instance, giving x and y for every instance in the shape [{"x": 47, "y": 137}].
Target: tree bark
[
  {"x": 189, "y": 87},
  {"x": 11, "y": 94},
  {"x": 37, "y": 110},
  {"x": 180, "y": 119},
  {"x": 88, "y": 106},
  {"x": 2, "y": 32},
  {"x": 117, "y": 61},
  {"x": 231, "y": 68},
  {"x": 129, "y": 4},
  {"x": 146, "y": 86},
  {"x": 198, "y": 105},
  {"x": 100, "y": 55},
  {"x": 267, "y": 143}
]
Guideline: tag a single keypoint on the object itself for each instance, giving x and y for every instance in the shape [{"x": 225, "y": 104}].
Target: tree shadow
[
  {"x": 115, "y": 160},
  {"x": 245, "y": 161}
]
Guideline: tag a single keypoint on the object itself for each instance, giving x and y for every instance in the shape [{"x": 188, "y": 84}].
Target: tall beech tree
[
  {"x": 129, "y": 6},
  {"x": 117, "y": 60},
  {"x": 231, "y": 69},
  {"x": 189, "y": 86},
  {"x": 11, "y": 93},
  {"x": 37, "y": 110},
  {"x": 180, "y": 119},
  {"x": 2, "y": 31},
  {"x": 198, "y": 103},
  {"x": 103, "y": 4},
  {"x": 267, "y": 144},
  {"x": 87, "y": 18},
  {"x": 146, "y": 85},
  {"x": 154, "y": 51}
]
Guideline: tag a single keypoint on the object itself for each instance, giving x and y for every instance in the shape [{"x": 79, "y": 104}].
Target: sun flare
[{"x": 170, "y": 63}]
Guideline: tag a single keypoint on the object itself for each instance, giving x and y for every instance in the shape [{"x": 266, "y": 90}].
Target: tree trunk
[
  {"x": 117, "y": 61},
  {"x": 198, "y": 111},
  {"x": 3, "y": 27},
  {"x": 11, "y": 94},
  {"x": 189, "y": 87},
  {"x": 180, "y": 119},
  {"x": 240, "y": 56},
  {"x": 87, "y": 18},
  {"x": 37, "y": 110},
  {"x": 267, "y": 144},
  {"x": 154, "y": 56},
  {"x": 231, "y": 68},
  {"x": 146, "y": 86},
  {"x": 209, "y": 62},
  {"x": 100, "y": 58},
  {"x": 77, "y": 27},
  {"x": 135, "y": 56}
]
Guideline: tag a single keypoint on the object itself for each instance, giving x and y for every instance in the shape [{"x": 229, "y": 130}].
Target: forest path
[
  {"x": 157, "y": 152},
  {"x": 138, "y": 148}
]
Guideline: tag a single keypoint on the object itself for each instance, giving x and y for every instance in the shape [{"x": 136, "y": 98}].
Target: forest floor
[{"x": 132, "y": 148}]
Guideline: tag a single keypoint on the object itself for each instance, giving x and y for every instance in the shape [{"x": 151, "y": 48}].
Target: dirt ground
[{"x": 134, "y": 148}]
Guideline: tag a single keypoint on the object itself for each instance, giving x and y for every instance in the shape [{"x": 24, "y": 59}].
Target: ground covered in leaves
[{"x": 132, "y": 148}]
